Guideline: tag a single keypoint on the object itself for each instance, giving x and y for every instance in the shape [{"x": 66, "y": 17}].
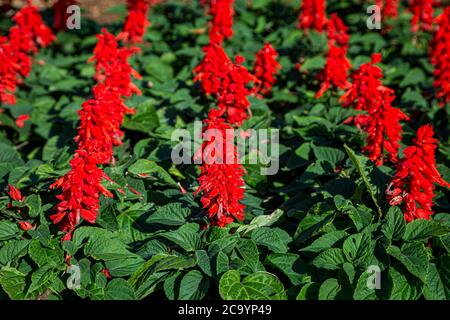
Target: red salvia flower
[
  {"x": 337, "y": 32},
  {"x": 136, "y": 22},
  {"x": 336, "y": 70},
  {"x": 390, "y": 8},
  {"x": 440, "y": 57},
  {"x": 232, "y": 99},
  {"x": 28, "y": 20},
  {"x": 111, "y": 64},
  {"x": 265, "y": 68},
  {"x": 221, "y": 26},
  {"x": 413, "y": 183},
  {"x": 228, "y": 81},
  {"x": 383, "y": 128},
  {"x": 312, "y": 15},
  {"x": 81, "y": 190},
  {"x": 381, "y": 121},
  {"x": 365, "y": 82},
  {"x": 213, "y": 69},
  {"x": 25, "y": 225},
  {"x": 60, "y": 14},
  {"x": 422, "y": 11},
  {"x": 14, "y": 193},
  {"x": 221, "y": 183},
  {"x": 337, "y": 65},
  {"x": 16, "y": 50},
  {"x": 20, "y": 121}
]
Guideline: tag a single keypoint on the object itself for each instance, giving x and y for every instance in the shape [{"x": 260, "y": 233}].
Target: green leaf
[
  {"x": 434, "y": 287},
  {"x": 12, "y": 250},
  {"x": 257, "y": 286},
  {"x": 422, "y": 229},
  {"x": 249, "y": 252},
  {"x": 9, "y": 155},
  {"x": 413, "y": 256},
  {"x": 332, "y": 155},
  {"x": 330, "y": 259},
  {"x": 144, "y": 120},
  {"x": 325, "y": 242},
  {"x": 119, "y": 289},
  {"x": 290, "y": 264},
  {"x": 274, "y": 238},
  {"x": 309, "y": 291},
  {"x": 394, "y": 224},
  {"x": 41, "y": 279},
  {"x": 414, "y": 76},
  {"x": 204, "y": 262},
  {"x": 13, "y": 283},
  {"x": 8, "y": 230},
  {"x": 144, "y": 168},
  {"x": 44, "y": 255},
  {"x": 33, "y": 202},
  {"x": 261, "y": 221},
  {"x": 359, "y": 165},
  {"x": 329, "y": 289},
  {"x": 356, "y": 247},
  {"x": 403, "y": 287},
  {"x": 190, "y": 286},
  {"x": 171, "y": 214},
  {"x": 186, "y": 236}
]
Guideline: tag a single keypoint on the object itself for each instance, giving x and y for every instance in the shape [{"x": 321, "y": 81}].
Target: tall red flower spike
[
  {"x": 337, "y": 65},
  {"x": 213, "y": 69},
  {"x": 422, "y": 11},
  {"x": 381, "y": 121},
  {"x": 265, "y": 68},
  {"x": 312, "y": 15},
  {"x": 389, "y": 8},
  {"x": 228, "y": 81},
  {"x": 60, "y": 13},
  {"x": 23, "y": 40},
  {"x": 413, "y": 183},
  {"x": 232, "y": 99},
  {"x": 440, "y": 57},
  {"x": 29, "y": 21},
  {"x": 98, "y": 132},
  {"x": 365, "y": 82},
  {"x": 335, "y": 71},
  {"x": 81, "y": 188},
  {"x": 221, "y": 183},
  {"x": 221, "y": 25},
  {"x": 136, "y": 22},
  {"x": 384, "y": 131}
]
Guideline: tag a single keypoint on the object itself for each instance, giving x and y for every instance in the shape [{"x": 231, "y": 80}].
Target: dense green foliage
[{"x": 310, "y": 232}]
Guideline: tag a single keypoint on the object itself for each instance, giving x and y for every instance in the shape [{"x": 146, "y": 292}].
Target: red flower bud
[{"x": 14, "y": 193}]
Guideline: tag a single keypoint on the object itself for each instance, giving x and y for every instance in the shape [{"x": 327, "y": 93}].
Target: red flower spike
[
  {"x": 337, "y": 32},
  {"x": 382, "y": 121},
  {"x": 14, "y": 193},
  {"x": 16, "y": 50},
  {"x": 81, "y": 190},
  {"x": 221, "y": 183},
  {"x": 422, "y": 11},
  {"x": 221, "y": 25},
  {"x": 136, "y": 22},
  {"x": 25, "y": 225},
  {"x": 384, "y": 129},
  {"x": 60, "y": 13},
  {"x": 337, "y": 65},
  {"x": 312, "y": 15},
  {"x": 20, "y": 121},
  {"x": 106, "y": 272},
  {"x": 335, "y": 71},
  {"x": 439, "y": 54},
  {"x": 416, "y": 175},
  {"x": 265, "y": 68},
  {"x": 29, "y": 21},
  {"x": 219, "y": 76}
]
